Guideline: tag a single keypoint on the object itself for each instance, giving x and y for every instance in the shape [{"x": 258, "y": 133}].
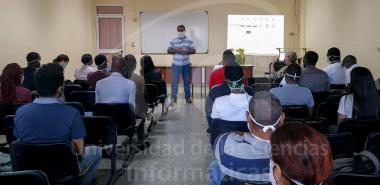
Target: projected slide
[{"x": 257, "y": 34}]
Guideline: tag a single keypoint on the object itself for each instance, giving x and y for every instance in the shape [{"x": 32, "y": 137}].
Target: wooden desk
[{"x": 200, "y": 75}]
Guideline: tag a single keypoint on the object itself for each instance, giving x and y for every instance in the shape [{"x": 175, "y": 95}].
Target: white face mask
[
  {"x": 64, "y": 65},
  {"x": 182, "y": 34}
]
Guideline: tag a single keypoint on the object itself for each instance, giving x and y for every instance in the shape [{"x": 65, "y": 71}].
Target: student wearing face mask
[
  {"x": 82, "y": 72},
  {"x": 246, "y": 156},
  {"x": 33, "y": 59},
  {"x": 291, "y": 93},
  {"x": 181, "y": 48},
  {"x": 11, "y": 90},
  {"x": 232, "y": 107},
  {"x": 334, "y": 69},
  {"x": 62, "y": 60},
  {"x": 116, "y": 88},
  {"x": 349, "y": 63},
  {"x": 301, "y": 156}
]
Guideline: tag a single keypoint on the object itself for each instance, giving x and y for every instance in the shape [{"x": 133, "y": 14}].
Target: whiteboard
[
  {"x": 257, "y": 34},
  {"x": 157, "y": 29}
]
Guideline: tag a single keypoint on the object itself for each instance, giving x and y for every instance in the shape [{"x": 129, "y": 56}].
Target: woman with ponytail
[{"x": 11, "y": 89}]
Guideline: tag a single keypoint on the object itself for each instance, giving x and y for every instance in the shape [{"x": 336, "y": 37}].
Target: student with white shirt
[
  {"x": 232, "y": 107},
  {"x": 82, "y": 72},
  {"x": 334, "y": 69},
  {"x": 349, "y": 63},
  {"x": 116, "y": 88},
  {"x": 363, "y": 101}
]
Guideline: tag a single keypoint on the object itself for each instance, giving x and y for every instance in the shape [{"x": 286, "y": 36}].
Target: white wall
[
  {"x": 218, "y": 11},
  {"x": 351, "y": 25},
  {"x": 49, "y": 27}
]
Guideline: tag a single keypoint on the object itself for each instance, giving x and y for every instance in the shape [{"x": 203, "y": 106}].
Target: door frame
[{"x": 99, "y": 16}]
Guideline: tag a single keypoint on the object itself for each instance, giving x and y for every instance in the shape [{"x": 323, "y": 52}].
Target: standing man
[{"x": 181, "y": 47}]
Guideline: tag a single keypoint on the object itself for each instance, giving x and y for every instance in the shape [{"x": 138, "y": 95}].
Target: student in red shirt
[{"x": 217, "y": 76}]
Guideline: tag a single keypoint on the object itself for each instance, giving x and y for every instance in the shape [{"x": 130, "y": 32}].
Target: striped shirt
[
  {"x": 184, "y": 43},
  {"x": 242, "y": 156}
]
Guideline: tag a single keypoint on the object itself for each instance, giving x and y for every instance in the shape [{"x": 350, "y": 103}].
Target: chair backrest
[
  {"x": 341, "y": 145},
  {"x": 278, "y": 65},
  {"x": 58, "y": 160},
  {"x": 262, "y": 87},
  {"x": 8, "y": 122},
  {"x": 68, "y": 88},
  {"x": 254, "y": 80},
  {"x": 100, "y": 130},
  {"x": 320, "y": 97},
  {"x": 161, "y": 87},
  {"x": 219, "y": 127},
  {"x": 373, "y": 141},
  {"x": 328, "y": 110},
  {"x": 77, "y": 106},
  {"x": 360, "y": 130},
  {"x": 7, "y": 110},
  {"x": 337, "y": 86},
  {"x": 30, "y": 177},
  {"x": 86, "y": 98},
  {"x": 122, "y": 113},
  {"x": 227, "y": 180},
  {"x": 296, "y": 111},
  {"x": 151, "y": 94},
  {"x": 83, "y": 83},
  {"x": 355, "y": 179}
]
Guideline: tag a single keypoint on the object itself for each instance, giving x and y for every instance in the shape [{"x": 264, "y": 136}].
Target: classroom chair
[
  {"x": 360, "y": 130},
  {"x": 58, "y": 161},
  {"x": 68, "y": 88},
  {"x": 219, "y": 127},
  {"x": 29, "y": 177},
  {"x": 227, "y": 180},
  {"x": 341, "y": 145},
  {"x": 101, "y": 131},
  {"x": 296, "y": 112},
  {"x": 86, "y": 98},
  {"x": 328, "y": 111},
  {"x": 355, "y": 179}
]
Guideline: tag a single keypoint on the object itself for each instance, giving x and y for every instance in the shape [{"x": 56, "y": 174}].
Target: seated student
[
  {"x": 116, "y": 88},
  {"x": 290, "y": 58},
  {"x": 349, "y": 63},
  {"x": 151, "y": 74},
  {"x": 232, "y": 107},
  {"x": 223, "y": 90},
  {"x": 217, "y": 76},
  {"x": 11, "y": 89},
  {"x": 141, "y": 105},
  {"x": 47, "y": 120},
  {"x": 301, "y": 155},
  {"x": 334, "y": 68},
  {"x": 82, "y": 72},
  {"x": 246, "y": 156},
  {"x": 311, "y": 77},
  {"x": 291, "y": 93},
  {"x": 62, "y": 60},
  {"x": 362, "y": 102},
  {"x": 33, "y": 59},
  {"x": 101, "y": 73}
]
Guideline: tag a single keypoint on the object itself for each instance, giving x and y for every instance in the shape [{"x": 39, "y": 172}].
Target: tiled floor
[{"x": 180, "y": 151}]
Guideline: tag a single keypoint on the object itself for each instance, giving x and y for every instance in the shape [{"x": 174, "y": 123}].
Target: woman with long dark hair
[
  {"x": 362, "y": 102},
  {"x": 301, "y": 155},
  {"x": 151, "y": 74},
  {"x": 11, "y": 89}
]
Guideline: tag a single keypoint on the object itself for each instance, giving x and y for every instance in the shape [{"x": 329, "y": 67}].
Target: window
[{"x": 257, "y": 34}]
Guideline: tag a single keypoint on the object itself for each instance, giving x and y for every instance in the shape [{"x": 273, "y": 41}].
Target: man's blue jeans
[
  {"x": 90, "y": 160},
  {"x": 215, "y": 173},
  {"x": 176, "y": 73}
]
